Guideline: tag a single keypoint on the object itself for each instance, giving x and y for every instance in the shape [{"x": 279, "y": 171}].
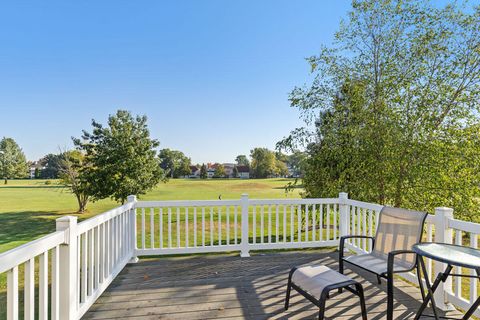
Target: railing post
[
  {"x": 343, "y": 206},
  {"x": 443, "y": 234},
  {"x": 133, "y": 226},
  {"x": 68, "y": 291},
  {"x": 244, "y": 243}
]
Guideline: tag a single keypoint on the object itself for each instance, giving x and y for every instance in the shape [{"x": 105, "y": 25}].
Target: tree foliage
[
  {"x": 266, "y": 163},
  {"x": 13, "y": 164},
  {"x": 121, "y": 158},
  {"x": 74, "y": 178},
  {"x": 242, "y": 160},
  {"x": 392, "y": 113},
  {"x": 51, "y": 166},
  {"x": 203, "y": 171},
  {"x": 219, "y": 171},
  {"x": 174, "y": 163}
]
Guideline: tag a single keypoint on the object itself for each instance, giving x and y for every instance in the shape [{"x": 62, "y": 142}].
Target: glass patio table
[{"x": 452, "y": 255}]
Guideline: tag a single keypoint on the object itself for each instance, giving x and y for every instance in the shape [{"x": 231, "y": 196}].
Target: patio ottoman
[{"x": 315, "y": 283}]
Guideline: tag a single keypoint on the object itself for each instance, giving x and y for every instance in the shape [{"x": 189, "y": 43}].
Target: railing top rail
[
  {"x": 101, "y": 218},
  {"x": 366, "y": 205},
  {"x": 30, "y": 250},
  {"x": 186, "y": 203},
  {"x": 464, "y": 226},
  {"x": 294, "y": 201}
]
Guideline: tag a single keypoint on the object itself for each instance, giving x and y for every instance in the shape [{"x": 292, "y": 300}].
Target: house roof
[{"x": 243, "y": 169}]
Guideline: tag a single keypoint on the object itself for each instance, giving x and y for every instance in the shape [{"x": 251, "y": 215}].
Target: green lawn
[{"x": 28, "y": 208}]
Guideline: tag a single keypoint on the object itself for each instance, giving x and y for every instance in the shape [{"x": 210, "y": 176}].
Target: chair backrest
[{"x": 398, "y": 229}]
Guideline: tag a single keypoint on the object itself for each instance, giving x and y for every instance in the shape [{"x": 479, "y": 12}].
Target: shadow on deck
[{"x": 230, "y": 287}]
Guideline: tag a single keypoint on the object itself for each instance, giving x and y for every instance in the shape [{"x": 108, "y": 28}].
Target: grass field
[{"x": 28, "y": 208}]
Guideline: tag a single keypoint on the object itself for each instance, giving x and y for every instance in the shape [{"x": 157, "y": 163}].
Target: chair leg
[
  {"x": 289, "y": 288},
  {"x": 321, "y": 305},
  {"x": 359, "y": 288},
  {"x": 340, "y": 270},
  {"x": 390, "y": 297},
  {"x": 379, "y": 279}
]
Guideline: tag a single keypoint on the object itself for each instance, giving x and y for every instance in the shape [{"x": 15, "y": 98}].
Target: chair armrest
[
  {"x": 391, "y": 259},
  {"x": 343, "y": 238}
]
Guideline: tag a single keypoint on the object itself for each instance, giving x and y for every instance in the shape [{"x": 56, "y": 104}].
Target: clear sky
[{"x": 213, "y": 77}]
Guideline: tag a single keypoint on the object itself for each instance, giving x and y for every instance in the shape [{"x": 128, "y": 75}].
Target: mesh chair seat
[
  {"x": 313, "y": 279},
  {"x": 376, "y": 264}
]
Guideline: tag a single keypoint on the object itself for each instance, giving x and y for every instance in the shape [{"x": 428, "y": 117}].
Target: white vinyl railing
[{"x": 75, "y": 264}]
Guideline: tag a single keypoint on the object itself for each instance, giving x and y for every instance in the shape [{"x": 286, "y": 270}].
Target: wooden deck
[{"x": 230, "y": 287}]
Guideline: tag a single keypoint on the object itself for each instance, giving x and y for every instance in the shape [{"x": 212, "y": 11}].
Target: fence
[{"x": 82, "y": 259}]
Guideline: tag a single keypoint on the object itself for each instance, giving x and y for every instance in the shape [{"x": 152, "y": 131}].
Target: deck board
[{"x": 230, "y": 287}]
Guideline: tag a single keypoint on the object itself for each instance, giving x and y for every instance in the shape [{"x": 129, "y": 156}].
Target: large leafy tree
[
  {"x": 13, "y": 163},
  {"x": 175, "y": 163},
  {"x": 264, "y": 162},
  {"x": 121, "y": 158},
  {"x": 242, "y": 160},
  {"x": 392, "y": 113},
  {"x": 74, "y": 177},
  {"x": 52, "y": 166}
]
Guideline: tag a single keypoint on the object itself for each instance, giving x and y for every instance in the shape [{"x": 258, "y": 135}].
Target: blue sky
[{"x": 213, "y": 77}]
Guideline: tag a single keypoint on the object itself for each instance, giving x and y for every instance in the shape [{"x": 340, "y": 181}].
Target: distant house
[
  {"x": 229, "y": 169},
  {"x": 194, "y": 172},
  {"x": 35, "y": 166},
  {"x": 243, "y": 172}
]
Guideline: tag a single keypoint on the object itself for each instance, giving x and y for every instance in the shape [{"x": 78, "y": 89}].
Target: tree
[
  {"x": 203, "y": 171},
  {"x": 235, "y": 172},
  {"x": 52, "y": 166},
  {"x": 242, "y": 160},
  {"x": 394, "y": 108},
  {"x": 174, "y": 163},
  {"x": 219, "y": 171},
  {"x": 13, "y": 164},
  {"x": 120, "y": 159},
  {"x": 264, "y": 163},
  {"x": 73, "y": 177},
  {"x": 296, "y": 162}
]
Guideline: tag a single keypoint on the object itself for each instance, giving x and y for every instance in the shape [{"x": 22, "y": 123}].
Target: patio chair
[{"x": 397, "y": 231}]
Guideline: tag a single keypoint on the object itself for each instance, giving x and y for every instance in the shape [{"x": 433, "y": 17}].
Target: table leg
[
  {"x": 475, "y": 305},
  {"x": 431, "y": 288}
]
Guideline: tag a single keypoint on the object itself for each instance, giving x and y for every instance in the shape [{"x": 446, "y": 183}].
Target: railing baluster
[
  {"x": 219, "y": 226},
  {"x": 152, "y": 228},
  {"x": 84, "y": 268},
  {"x": 261, "y": 225},
  {"x": 328, "y": 222},
  {"x": 277, "y": 226},
  {"x": 211, "y": 226},
  {"x": 292, "y": 224},
  {"x": 254, "y": 226},
  {"x": 43, "y": 286},
  {"x": 29, "y": 291},
  {"x": 228, "y": 225},
  {"x": 143, "y": 228},
  {"x": 364, "y": 228},
  {"x": 284, "y": 223},
  {"x": 186, "y": 227},
  {"x": 335, "y": 217},
  {"x": 429, "y": 239},
  {"x": 160, "y": 228},
  {"x": 96, "y": 231},
  {"x": 194, "y": 226},
  {"x": 269, "y": 224},
  {"x": 370, "y": 229},
  {"x": 55, "y": 291},
  {"x": 90, "y": 261},
  {"x": 458, "y": 270},
  {"x": 203, "y": 226},
  {"x": 306, "y": 222},
  {"x": 169, "y": 227},
  {"x": 314, "y": 223},
  {"x": 299, "y": 223},
  {"x": 12, "y": 293},
  {"x": 473, "y": 281},
  {"x": 178, "y": 227},
  {"x": 102, "y": 254},
  {"x": 320, "y": 217},
  {"x": 235, "y": 223}
]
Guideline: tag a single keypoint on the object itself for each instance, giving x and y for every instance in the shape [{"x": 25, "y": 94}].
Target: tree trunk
[{"x": 5, "y": 182}]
